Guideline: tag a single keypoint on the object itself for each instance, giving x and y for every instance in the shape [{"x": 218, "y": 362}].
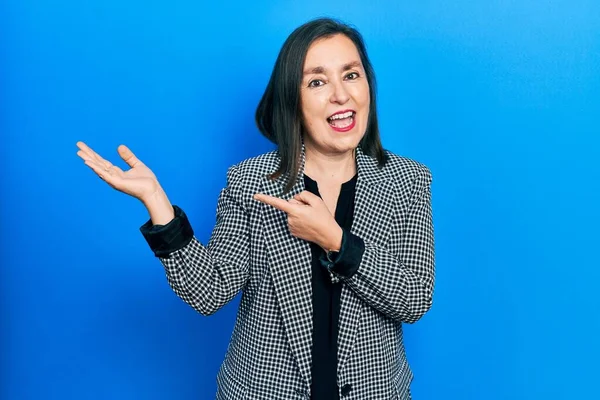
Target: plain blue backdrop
[{"x": 501, "y": 99}]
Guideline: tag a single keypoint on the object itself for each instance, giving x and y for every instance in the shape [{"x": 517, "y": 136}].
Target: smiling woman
[
  {"x": 329, "y": 238},
  {"x": 334, "y": 97},
  {"x": 322, "y": 70}
]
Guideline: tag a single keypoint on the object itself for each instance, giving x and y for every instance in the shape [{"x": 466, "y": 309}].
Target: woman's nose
[{"x": 340, "y": 94}]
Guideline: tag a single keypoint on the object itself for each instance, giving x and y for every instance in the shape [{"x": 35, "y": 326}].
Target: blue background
[{"x": 500, "y": 99}]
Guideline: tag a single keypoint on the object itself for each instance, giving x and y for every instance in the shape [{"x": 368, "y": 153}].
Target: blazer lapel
[
  {"x": 370, "y": 223},
  {"x": 289, "y": 260}
]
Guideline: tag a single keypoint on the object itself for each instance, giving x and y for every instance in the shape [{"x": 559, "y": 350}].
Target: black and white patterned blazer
[{"x": 251, "y": 250}]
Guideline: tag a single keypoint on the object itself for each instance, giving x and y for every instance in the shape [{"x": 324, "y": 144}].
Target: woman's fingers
[
  {"x": 84, "y": 155},
  {"x": 136, "y": 182},
  {"x": 276, "y": 202},
  {"x": 100, "y": 170},
  {"x": 103, "y": 170},
  {"x": 307, "y": 197},
  {"x": 85, "y": 148},
  {"x": 87, "y": 153},
  {"x": 128, "y": 156}
]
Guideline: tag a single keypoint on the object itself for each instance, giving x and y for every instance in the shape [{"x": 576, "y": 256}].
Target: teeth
[{"x": 342, "y": 116}]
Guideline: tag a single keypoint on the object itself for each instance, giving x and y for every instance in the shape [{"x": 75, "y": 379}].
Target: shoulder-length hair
[{"x": 279, "y": 115}]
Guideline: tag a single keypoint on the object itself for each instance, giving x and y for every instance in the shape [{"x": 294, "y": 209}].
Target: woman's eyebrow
[
  {"x": 315, "y": 70},
  {"x": 350, "y": 65},
  {"x": 321, "y": 70}
]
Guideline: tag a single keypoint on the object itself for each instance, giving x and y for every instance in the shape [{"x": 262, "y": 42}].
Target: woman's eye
[
  {"x": 315, "y": 83},
  {"x": 352, "y": 76}
]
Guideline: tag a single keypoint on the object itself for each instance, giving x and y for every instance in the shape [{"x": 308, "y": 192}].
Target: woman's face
[{"x": 334, "y": 96}]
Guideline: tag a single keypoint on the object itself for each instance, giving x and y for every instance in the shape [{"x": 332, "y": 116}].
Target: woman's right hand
[{"x": 139, "y": 181}]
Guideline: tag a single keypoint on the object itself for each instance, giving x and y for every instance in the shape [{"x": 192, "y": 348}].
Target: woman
[{"x": 329, "y": 238}]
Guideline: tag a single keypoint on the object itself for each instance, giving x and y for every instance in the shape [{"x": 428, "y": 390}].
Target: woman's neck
[{"x": 338, "y": 167}]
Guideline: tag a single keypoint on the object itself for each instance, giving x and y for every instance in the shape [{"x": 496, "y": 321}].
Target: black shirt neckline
[{"x": 346, "y": 186}]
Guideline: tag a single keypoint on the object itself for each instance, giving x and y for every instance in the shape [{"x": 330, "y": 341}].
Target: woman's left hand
[{"x": 308, "y": 219}]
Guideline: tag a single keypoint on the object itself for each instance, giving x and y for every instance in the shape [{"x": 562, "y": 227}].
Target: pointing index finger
[{"x": 276, "y": 202}]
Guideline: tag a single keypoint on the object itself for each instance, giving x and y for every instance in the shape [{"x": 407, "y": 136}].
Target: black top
[{"x": 326, "y": 302}]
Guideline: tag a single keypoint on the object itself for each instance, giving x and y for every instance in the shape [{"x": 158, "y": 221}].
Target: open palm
[{"x": 139, "y": 181}]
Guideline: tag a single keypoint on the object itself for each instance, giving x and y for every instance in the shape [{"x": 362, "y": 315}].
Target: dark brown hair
[{"x": 279, "y": 115}]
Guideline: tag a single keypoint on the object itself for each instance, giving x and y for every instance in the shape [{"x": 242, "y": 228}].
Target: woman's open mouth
[{"x": 342, "y": 121}]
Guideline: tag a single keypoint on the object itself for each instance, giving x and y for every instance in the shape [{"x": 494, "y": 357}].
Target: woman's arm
[
  {"x": 205, "y": 277},
  {"x": 398, "y": 285}
]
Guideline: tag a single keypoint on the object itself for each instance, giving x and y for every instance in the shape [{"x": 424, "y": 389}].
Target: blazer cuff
[
  {"x": 349, "y": 257},
  {"x": 166, "y": 239}
]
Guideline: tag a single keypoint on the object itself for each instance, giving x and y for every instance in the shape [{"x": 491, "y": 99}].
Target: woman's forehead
[{"x": 333, "y": 53}]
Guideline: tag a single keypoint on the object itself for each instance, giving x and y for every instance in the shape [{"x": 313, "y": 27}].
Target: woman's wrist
[
  {"x": 159, "y": 207},
  {"x": 333, "y": 242}
]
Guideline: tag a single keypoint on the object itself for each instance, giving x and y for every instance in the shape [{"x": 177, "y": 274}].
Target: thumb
[
  {"x": 307, "y": 197},
  {"x": 128, "y": 156}
]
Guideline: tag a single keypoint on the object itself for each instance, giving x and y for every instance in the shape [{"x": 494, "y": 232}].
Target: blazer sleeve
[
  {"x": 400, "y": 285},
  {"x": 206, "y": 277}
]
